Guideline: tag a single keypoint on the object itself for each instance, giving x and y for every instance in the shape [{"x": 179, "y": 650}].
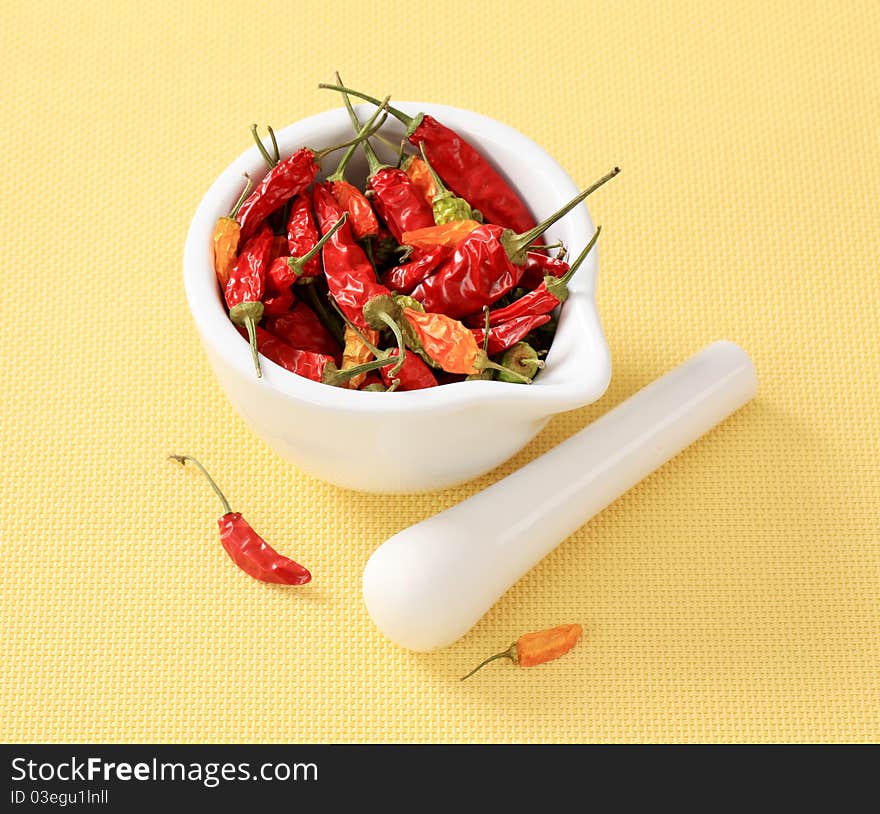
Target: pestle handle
[{"x": 429, "y": 584}]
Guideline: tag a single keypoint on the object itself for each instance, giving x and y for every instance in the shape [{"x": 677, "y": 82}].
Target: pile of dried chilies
[{"x": 434, "y": 272}]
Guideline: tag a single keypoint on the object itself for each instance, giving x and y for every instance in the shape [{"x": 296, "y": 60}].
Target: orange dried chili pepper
[
  {"x": 446, "y": 234},
  {"x": 451, "y": 344},
  {"x": 357, "y": 352},
  {"x": 537, "y": 648},
  {"x": 416, "y": 168},
  {"x": 227, "y": 232}
]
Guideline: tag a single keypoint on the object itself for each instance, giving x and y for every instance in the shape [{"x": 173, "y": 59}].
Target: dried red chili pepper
[
  {"x": 285, "y": 271},
  {"x": 461, "y": 166},
  {"x": 245, "y": 547},
  {"x": 450, "y": 344},
  {"x": 537, "y": 648},
  {"x": 395, "y": 198},
  {"x": 403, "y": 279},
  {"x": 350, "y": 275},
  {"x": 487, "y": 264},
  {"x": 414, "y": 374},
  {"x": 318, "y": 367},
  {"x": 244, "y": 289},
  {"x": 543, "y": 299},
  {"x": 278, "y": 303},
  {"x": 507, "y": 334},
  {"x": 301, "y": 328},
  {"x": 227, "y": 232},
  {"x": 303, "y": 234},
  {"x": 287, "y": 179},
  {"x": 538, "y": 265}
]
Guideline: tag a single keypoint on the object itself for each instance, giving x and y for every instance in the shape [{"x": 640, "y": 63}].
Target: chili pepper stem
[
  {"x": 297, "y": 263},
  {"x": 364, "y": 133},
  {"x": 372, "y": 159},
  {"x": 339, "y": 172},
  {"x": 395, "y": 329},
  {"x": 558, "y": 286},
  {"x": 410, "y": 122},
  {"x": 241, "y": 198},
  {"x": 495, "y": 366},
  {"x": 262, "y": 148},
  {"x": 369, "y": 345},
  {"x": 510, "y": 653},
  {"x": 182, "y": 459},
  {"x": 274, "y": 143},
  {"x": 335, "y": 377},
  {"x": 516, "y": 245},
  {"x": 248, "y": 314},
  {"x": 323, "y": 314}
]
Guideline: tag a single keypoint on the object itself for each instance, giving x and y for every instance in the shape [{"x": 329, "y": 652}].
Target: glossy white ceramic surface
[
  {"x": 430, "y": 583},
  {"x": 407, "y": 441}
]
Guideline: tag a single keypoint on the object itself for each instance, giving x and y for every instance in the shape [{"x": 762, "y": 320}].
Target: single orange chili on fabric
[
  {"x": 537, "y": 648},
  {"x": 227, "y": 232},
  {"x": 245, "y": 547}
]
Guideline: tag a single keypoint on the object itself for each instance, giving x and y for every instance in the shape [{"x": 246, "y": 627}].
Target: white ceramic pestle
[{"x": 430, "y": 584}]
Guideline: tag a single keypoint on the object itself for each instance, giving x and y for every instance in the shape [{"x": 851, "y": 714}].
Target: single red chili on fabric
[
  {"x": 245, "y": 547},
  {"x": 507, "y": 334},
  {"x": 244, "y": 289},
  {"x": 301, "y": 328},
  {"x": 414, "y": 374},
  {"x": 285, "y": 271},
  {"x": 403, "y": 279},
  {"x": 303, "y": 234},
  {"x": 286, "y": 179},
  {"x": 395, "y": 197},
  {"x": 467, "y": 173},
  {"x": 487, "y": 264},
  {"x": 552, "y": 292}
]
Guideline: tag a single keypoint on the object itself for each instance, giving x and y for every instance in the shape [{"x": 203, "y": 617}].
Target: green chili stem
[
  {"x": 328, "y": 322},
  {"x": 339, "y": 172},
  {"x": 401, "y": 352},
  {"x": 241, "y": 198},
  {"x": 364, "y": 133},
  {"x": 565, "y": 279},
  {"x": 274, "y": 143},
  {"x": 297, "y": 263},
  {"x": 251, "y": 326},
  {"x": 182, "y": 459},
  {"x": 486, "y": 330},
  {"x": 398, "y": 114},
  {"x": 261, "y": 147},
  {"x": 546, "y": 247},
  {"x": 510, "y": 653},
  {"x": 521, "y": 241},
  {"x": 372, "y": 159},
  {"x": 370, "y": 346},
  {"x": 508, "y": 371}
]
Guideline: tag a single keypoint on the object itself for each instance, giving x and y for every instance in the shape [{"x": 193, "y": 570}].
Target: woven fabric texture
[{"x": 731, "y": 596}]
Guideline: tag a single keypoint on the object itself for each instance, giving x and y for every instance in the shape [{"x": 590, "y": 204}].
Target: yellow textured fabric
[{"x": 733, "y": 595}]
